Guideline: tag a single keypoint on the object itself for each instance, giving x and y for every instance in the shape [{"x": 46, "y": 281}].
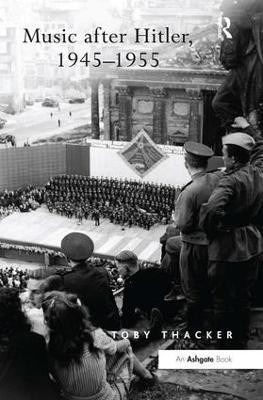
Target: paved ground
[
  {"x": 168, "y": 391},
  {"x": 35, "y": 122},
  {"x": 42, "y": 227},
  {"x": 238, "y": 383}
]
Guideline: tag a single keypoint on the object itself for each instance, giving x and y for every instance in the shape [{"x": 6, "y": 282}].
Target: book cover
[{"x": 113, "y": 90}]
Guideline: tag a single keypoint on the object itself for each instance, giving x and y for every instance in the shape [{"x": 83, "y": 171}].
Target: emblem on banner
[{"x": 142, "y": 154}]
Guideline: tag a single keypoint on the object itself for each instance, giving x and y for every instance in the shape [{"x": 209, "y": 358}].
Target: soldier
[
  {"x": 194, "y": 251},
  {"x": 91, "y": 284},
  {"x": 231, "y": 219},
  {"x": 80, "y": 215},
  {"x": 96, "y": 215}
]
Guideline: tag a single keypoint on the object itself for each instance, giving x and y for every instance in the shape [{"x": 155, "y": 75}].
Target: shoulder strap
[{"x": 185, "y": 186}]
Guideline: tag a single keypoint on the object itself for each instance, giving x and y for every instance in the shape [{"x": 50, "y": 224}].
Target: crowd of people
[
  {"x": 22, "y": 199},
  {"x": 70, "y": 317},
  {"x": 5, "y": 211},
  {"x": 13, "y": 276},
  {"x": 17, "y": 276},
  {"x": 211, "y": 254},
  {"x": 124, "y": 202}
]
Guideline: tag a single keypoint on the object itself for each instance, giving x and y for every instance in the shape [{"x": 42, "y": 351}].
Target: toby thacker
[{"x": 172, "y": 334}]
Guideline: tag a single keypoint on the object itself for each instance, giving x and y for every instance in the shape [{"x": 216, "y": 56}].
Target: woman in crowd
[
  {"x": 23, "y": 358},
  {"x": 86, "y": 362}
]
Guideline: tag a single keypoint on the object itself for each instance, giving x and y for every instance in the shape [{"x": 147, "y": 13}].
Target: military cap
[
  {"x": 239, "y": 139},
  {"x": 198, "y": 149},
  {"x": 77, "y": 246},
  {"x": 126, "y": 255}
]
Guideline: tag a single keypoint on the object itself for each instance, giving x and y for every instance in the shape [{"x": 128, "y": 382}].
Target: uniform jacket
[
  {"x": 144, "y": 290},
  {"x": 92, "y": 285},
  {"x": 188, "y": 206},
  {"x": 235, "y": 211}
]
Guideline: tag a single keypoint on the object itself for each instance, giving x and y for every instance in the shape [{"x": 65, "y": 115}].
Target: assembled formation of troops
[{"x": 124, "y": 202}]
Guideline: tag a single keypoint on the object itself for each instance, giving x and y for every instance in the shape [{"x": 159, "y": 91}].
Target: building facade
[
  {"x": 171, "y": 103},
  {"x": 11, "y": 69}
]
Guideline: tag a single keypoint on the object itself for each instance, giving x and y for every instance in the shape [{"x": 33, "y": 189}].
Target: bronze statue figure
[{"x": 242, "y": 54}]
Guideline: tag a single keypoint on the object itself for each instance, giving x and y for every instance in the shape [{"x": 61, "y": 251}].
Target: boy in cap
[
  {"x": 194, "y": 251},
  {"x": 144, "y": 289},
  {"x": 92, "y": 285},
  {"x": 231, "y": 219}
]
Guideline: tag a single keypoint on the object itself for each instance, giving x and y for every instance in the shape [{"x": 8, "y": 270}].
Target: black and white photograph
[{"x": 131, "y": 199}]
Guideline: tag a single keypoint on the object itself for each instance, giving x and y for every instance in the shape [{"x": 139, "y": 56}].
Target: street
[{"x": 36, "y": 121}]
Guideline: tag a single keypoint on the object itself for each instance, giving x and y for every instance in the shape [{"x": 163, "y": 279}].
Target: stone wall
[{"x": 23, "y": 166}]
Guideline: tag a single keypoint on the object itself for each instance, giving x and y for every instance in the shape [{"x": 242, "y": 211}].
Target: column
[
  {"x": 95, "y": 118},
  {"x": 107, "y": 109},
  {"x": 125, "y": 113},
  {"x": 159, "y": 118},
  {"x": 195, "y": 133}
]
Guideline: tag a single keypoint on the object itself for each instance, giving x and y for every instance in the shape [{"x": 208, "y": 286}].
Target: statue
[
  {"x": 5, "y": 139},
  {"x": 242, "y": 54}
]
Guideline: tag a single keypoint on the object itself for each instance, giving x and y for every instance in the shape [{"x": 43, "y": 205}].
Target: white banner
[{"x": 210, "y": 359}]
